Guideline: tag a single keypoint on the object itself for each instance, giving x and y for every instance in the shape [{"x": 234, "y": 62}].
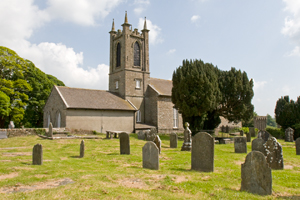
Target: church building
[{"x": 134, "y": 101}]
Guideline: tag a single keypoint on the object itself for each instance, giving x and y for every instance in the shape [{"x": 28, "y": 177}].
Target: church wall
[
  {"x": 100, "y": 120},
  {"x": 54, "y": 105}
]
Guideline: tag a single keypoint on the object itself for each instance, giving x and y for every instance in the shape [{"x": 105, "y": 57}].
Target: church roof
[
  {"x": 161, "y": 86},
  {"x": 92, "y": 99}
]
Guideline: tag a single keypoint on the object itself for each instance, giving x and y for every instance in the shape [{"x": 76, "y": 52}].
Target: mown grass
[{"x": 105, "y": 174}]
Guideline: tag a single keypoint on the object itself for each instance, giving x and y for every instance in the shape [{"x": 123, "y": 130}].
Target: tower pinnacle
[
  {"x": 113, "y": 25},
  {"x": 126, "y": 20},
  {"x": 145, "y": 24}
]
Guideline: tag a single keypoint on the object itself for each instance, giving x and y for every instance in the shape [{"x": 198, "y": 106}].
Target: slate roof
[
  {"x": 161, "y": 86},
  {"x": 92, "y": 99}
]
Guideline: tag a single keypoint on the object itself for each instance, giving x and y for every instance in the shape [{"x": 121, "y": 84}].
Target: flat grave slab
[{"x": 3, "y": 134}]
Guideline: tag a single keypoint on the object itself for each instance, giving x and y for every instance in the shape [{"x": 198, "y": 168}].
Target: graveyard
[{"x": 103, "y": 171}]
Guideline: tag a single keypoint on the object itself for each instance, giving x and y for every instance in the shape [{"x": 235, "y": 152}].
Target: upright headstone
[
  {"x": 227, "y": 129},
  {"x": 258, "y": 145},
  {"x": 289, "y": 135},
  {"x": 240, "y": 144},
  {"x": 82, "y": 149},
  {"x": 264, "y": 135},
  {"x": 37, "y": 154},
  {"x": 50, "y": 132},
  {"x": 150, "y": 134},
  {"x": 141, "y": 135},
  {"x": 157, "y": 141},
  {"x": 248, "y": 137},
  {"x": 252, "y": 131},
  {"x": 187, "y": 144},
  {"x": 3, "y": 134},
  {"x": 273, "y": 153},
  {"x": 11, "y": 125},
  {"x": 173, "y": 140},
  {"x": 256, "y": 174},
  {"x": 124, "y": 143},
  {"x": 150, "y": 156},
  {"x": 203, "y": 152},
  {"x": 241, "y": 133},
  {"x": 297, "y": 143}
]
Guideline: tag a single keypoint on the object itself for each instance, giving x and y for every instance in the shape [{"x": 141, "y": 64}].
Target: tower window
[
  {"x": 118, "y": 55},
  {"x": 175, "y": 118},
  {"x": 117, "y": 85},
  {"x": 58, "y": 120},
  {"x": 137, "y": 54},
  {"x": 138, "y": 116},
  {"x": 138, "y": 84}
]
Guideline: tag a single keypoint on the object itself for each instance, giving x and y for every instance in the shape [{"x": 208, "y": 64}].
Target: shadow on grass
[
  {"x": 181, "y": 169},
  {"x": 289, "y": 197},
  {"x": 26, "y": 163},
  {"x": 74, "y": 156},
  {"x": 111, "y": 154},
  {"x": 230, "y": 189}
]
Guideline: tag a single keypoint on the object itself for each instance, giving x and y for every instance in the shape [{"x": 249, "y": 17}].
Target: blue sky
[{"x": 69, "y": 39}]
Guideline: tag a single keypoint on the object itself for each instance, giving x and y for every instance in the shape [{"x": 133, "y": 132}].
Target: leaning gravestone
[
  {"x": 273, "y": 153},
  {"x": 203, "y": 152},
  {"x": 82, "y": 149},
  {"x": 297, "y": 143},
  {"x": 141, "y": 135},
  {"x": 3, "y": 134},
  {"x": 124, "y": 143},
  {"x": 256, "y": 174},
  {"x": 187, "y": 144},
  {"x": 50, "y": 132},
  {"x": 37, "y": 154},
  {"x": 11, "y": 125},
  {"x": 173, "y": 140},
  {"x": 264, "y": 135},
  {"x": 150, "y": 134},
  {"x": 240, "y": 144},
  {"x": 289, "y": 135},
  {"x": 248, "y": 135},
  {"x": 252, "y": 131},
  {"x": 157, "y": 141},
  {"x": 150, "y": 156},
  {"x": 258, "y": 145}
]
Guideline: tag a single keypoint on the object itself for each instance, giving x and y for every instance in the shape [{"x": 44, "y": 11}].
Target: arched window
[
  {"x": 48, "y": 120},
  {"x": 118, "y": 55},
  {"x": 138, "y": 116},
  {"x": 137, "y": 54},
  {"x": 58, "y": 120},
  {"x": 175, "y": 118}
]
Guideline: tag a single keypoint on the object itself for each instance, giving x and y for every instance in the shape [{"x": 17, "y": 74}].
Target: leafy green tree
[
  {"x": 202, "y": 93},
  {"x": 249, "y": 122},
  {"x": 4, "y": 107},
  {"x": 271, "y": 121}
]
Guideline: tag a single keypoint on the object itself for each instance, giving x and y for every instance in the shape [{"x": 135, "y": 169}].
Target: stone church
[{"x": 134, "y": 101}]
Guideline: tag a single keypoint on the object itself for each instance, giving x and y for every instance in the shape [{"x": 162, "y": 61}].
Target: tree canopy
[
  {"x": 23, "y": 90},
  {"x": 202, "y": 93}
]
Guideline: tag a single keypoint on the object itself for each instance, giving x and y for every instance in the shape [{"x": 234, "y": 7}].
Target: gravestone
[
  {"x": 150, "y": 156},
  {"x": 203, "y": 152},
  {"x": 248, "y": 135},
  {"x": 241, "y": 133},
  {"x": 252, "y": 131},
  {"x": 3, "y": 134},
  {"x": 37, "y": 154},
  {"x": 50, "y": 132},
  {"x": 273, "y": 153},
  {"x": 150, "y": 134},
  {"x": 256, "y": 174},
  {"x": 297, "y": 143},
  {"x": 240, "y": 144},
  {"x": 141, "y": 135},
  {"x": 82, "y": 149},
  {"x": 187, "y": 144},
  {"x": 157, "y": 141},
  {"x": 227, "y": 129},
  {"x": 11, "y": 125},
  {"x": 289, "y": 135},
  {"x": 223, "y": 129},
  {"x": 173, "y": 140},
  {"x": 124, "y": 143},
  {"x": 258, "y": 145},
  {"x": 264, "y": 135}
]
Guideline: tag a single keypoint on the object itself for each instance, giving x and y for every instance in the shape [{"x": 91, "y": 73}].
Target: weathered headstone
[
  {"x": 289, "y": 135},
  {"x": 248, "y": 137},
  {"x": 124, "y": 143},
  {"x": 187, "y": 144},
  {"x": 241, "y": 133},
  {"x": 258, "y": 145},
  {"x": 223, "y": 129},
  {"x": 203, "y": 152},
  {"x": 150, "y": 156},
  {"x": 240, "y": 144},
  {"x": 273, "y": 153},
  {"x": 227, "y": 129},
  {"x": 37, "y": 154},
  {"x": 141, "y": 135},
  {"x": 173, "y": 140},
  {"x": 3, "y": 134},
  {"x": 82, "y": 149},
  {"x": 264, "y": 135},
  {"x": 297, "y": 143},
  {"x": 11, "y": 125},
  {"x": 157, "y": 141},
  {"x": 50, "y": 132},
  {"x": 150, "y": 134},
  {"x": 256, "y": 174},
  {"x": 252, "y": 131}
]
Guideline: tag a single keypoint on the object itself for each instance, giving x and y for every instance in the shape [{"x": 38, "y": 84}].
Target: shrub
[{"x": 275, "y": 132}]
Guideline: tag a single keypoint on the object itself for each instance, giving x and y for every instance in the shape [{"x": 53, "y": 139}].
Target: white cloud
[
  {"x": 294, "y": 52},
  {"x": 83, "y": 12},
  {"x": 171, "y": 51},
  {"x": 259, "y": 85},
  {"x": 155, "y": 31},
  {"x": 286, "y": 90},
  {"x": 195, "y": 18},
  {"x": 141, "y": 6}
]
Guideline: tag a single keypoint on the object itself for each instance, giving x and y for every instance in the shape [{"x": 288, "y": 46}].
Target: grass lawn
[{"x": 105, "y": 174}]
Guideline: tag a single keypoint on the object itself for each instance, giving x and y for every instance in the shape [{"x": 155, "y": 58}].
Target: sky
[{"x": 69, "y": 39}]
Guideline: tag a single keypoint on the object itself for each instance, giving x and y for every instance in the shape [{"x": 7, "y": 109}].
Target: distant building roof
[
  {"x": 161, "y": 86},
  {"x": 92, "y": 99}
]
